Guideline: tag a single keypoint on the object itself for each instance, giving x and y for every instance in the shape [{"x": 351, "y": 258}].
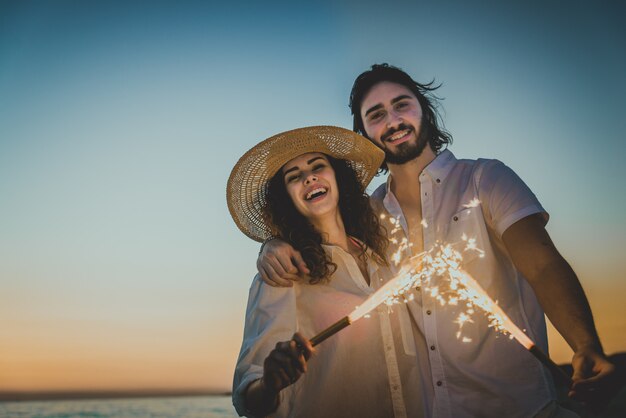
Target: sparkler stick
[
  {"x": 331, "y": 330},
  {"x": 551, "y": 365},
  {"x": 507, "y": 324},
  {"x": 392, "y": 289}
]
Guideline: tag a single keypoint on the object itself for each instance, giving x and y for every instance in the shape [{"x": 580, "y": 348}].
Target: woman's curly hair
[{"x": 358, "y": 216}]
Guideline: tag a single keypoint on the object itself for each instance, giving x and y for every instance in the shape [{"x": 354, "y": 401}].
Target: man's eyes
[{"x": 375, "y": 116}]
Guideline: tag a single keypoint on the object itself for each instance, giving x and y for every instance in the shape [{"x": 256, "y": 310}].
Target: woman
[{"x": 307, "y": 186}]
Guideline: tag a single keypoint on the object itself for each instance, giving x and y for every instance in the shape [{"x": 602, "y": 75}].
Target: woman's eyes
[{"x": 296, "y": 176}]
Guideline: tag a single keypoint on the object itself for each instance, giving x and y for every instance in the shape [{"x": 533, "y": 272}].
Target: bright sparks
[{"x": 440, "y": 274}]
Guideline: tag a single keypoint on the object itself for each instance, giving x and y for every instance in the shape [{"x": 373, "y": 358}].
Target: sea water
[{"x": 164, "y": 407}]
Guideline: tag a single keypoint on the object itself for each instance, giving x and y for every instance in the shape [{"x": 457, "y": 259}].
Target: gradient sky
[{"x": 120, "y": 266}]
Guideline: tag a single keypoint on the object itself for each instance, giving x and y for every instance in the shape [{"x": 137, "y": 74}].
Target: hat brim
[{"x": 247, "y": 185}]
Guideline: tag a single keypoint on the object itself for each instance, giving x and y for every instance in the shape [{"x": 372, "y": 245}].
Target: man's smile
[{"x": 399, "y": 137}]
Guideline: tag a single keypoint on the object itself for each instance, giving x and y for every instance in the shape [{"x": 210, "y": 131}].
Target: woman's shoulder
[{"x": 258, "y": 285}]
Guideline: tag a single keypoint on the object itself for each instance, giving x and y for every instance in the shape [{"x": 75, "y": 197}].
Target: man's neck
[{"x": 405, "y": 177}]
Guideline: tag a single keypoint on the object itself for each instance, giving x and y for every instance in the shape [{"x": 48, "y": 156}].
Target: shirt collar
[{"x": 439, "y": 168}]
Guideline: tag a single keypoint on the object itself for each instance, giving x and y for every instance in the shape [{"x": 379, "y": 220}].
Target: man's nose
[{"x": 394, "y": 119}]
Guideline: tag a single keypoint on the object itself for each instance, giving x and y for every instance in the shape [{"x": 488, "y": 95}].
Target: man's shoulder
[{"x": 477, "y": 166}]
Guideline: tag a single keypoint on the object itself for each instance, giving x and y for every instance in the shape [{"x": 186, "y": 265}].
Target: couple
[{"x": 306, "y": 187}]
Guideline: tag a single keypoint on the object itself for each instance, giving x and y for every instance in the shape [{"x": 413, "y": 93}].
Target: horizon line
[{"x": 85, "y": 394}]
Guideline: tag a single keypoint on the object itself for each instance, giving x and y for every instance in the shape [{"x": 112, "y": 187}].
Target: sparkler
[
  {"x": 388, "y": 293},
  {"x": 442, "y": 261}
]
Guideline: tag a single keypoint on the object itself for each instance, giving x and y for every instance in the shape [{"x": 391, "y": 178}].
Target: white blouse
[{"x": 369, "y": 369}]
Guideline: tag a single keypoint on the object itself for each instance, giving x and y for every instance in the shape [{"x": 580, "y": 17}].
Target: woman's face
[{"x": 310, "y": 182}]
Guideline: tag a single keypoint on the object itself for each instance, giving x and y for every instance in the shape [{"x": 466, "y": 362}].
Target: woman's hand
[
  {"x": 283, "y": 366},
  {"x": 286, "y": 363}
]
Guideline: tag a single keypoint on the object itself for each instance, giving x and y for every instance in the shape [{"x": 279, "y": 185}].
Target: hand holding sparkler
[
  {"x": 286, "y": 363},
  {"x": 282, "y": 367},
  {"x": 596, "y": 379}
]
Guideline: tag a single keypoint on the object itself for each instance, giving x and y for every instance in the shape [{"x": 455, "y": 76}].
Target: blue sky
[{"x": 120, "y": 122}]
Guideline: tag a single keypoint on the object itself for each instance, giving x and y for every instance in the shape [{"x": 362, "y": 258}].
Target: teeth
[
  {"x": 399, "y": 135},
  {"x": 315, "y": 191}
]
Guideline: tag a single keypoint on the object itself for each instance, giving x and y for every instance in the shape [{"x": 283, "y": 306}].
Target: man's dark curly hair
[
  {"x": 437, "y": 137},
  {"x": 358, "y": 217}
]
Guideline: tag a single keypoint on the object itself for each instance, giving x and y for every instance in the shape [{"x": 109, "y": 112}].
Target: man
[{"x": 437, "y": 198}]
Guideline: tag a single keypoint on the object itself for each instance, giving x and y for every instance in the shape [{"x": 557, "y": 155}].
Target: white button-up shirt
[
  {"x": 368, "y": 369},
  {"x": 480, "y": 372}
]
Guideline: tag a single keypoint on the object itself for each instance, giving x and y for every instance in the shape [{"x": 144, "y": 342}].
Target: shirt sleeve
[
  {"x": 270, "y": 318},
  {"x": 505, "y": 197}
]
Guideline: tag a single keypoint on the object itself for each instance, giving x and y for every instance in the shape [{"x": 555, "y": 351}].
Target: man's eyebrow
[
  {"x": 402, "y": 97},
  {"x": 373, "y": 108}
]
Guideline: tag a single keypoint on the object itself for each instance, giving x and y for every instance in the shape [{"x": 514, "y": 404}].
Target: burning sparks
[{"x": 439, "y": 272}]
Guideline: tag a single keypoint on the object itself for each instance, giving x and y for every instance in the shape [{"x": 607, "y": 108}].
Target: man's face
[{"x": 392, "y": 118}]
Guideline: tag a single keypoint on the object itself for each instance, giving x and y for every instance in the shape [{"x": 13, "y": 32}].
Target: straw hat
[{"x": 247, "y": 185}]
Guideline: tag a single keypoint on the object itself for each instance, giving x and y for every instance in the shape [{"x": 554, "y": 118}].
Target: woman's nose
[{"x": 310, "y": 179}]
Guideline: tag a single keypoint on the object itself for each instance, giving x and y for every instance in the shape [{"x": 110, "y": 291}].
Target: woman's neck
[{"x": 333, "y": 230}]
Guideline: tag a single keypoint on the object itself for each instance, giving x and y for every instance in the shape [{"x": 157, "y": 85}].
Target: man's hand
[
  {"x": 286, "y": 363},
  {"x": 562, "y": 298},
  {"x": 279, "y": 264},
  {"x": 595, "y": 378}
]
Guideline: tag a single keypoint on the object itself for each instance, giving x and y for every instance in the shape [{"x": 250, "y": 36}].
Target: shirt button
[
  {"x": 395, "y": 387},
  {"x": 456, "y": 218},
  {"x": 439, "y": 383},
  {"x": 432, "y": 347},
  {"x": 428, "y": 312},
  {"x": 438, "y": 181},
  {"x": 417, "y": 288}
]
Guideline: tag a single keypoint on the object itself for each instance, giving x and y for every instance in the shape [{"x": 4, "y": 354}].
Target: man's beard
[{"x": 406, "y": 151}]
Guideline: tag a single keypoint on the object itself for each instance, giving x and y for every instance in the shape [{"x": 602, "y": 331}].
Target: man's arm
[
  {"x": 279, "y": 264},
  {"x": 562, "y": 298}
]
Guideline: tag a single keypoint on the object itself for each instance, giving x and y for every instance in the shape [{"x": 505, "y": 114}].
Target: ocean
[
  {"x": 196, "y": 407},
  {"x": 165, "y": 407}
]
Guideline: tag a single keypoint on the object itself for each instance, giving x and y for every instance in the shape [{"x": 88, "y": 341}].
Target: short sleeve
[
  {"x": 505, "y": 197},
  {"x": 270, "y": 318}
]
